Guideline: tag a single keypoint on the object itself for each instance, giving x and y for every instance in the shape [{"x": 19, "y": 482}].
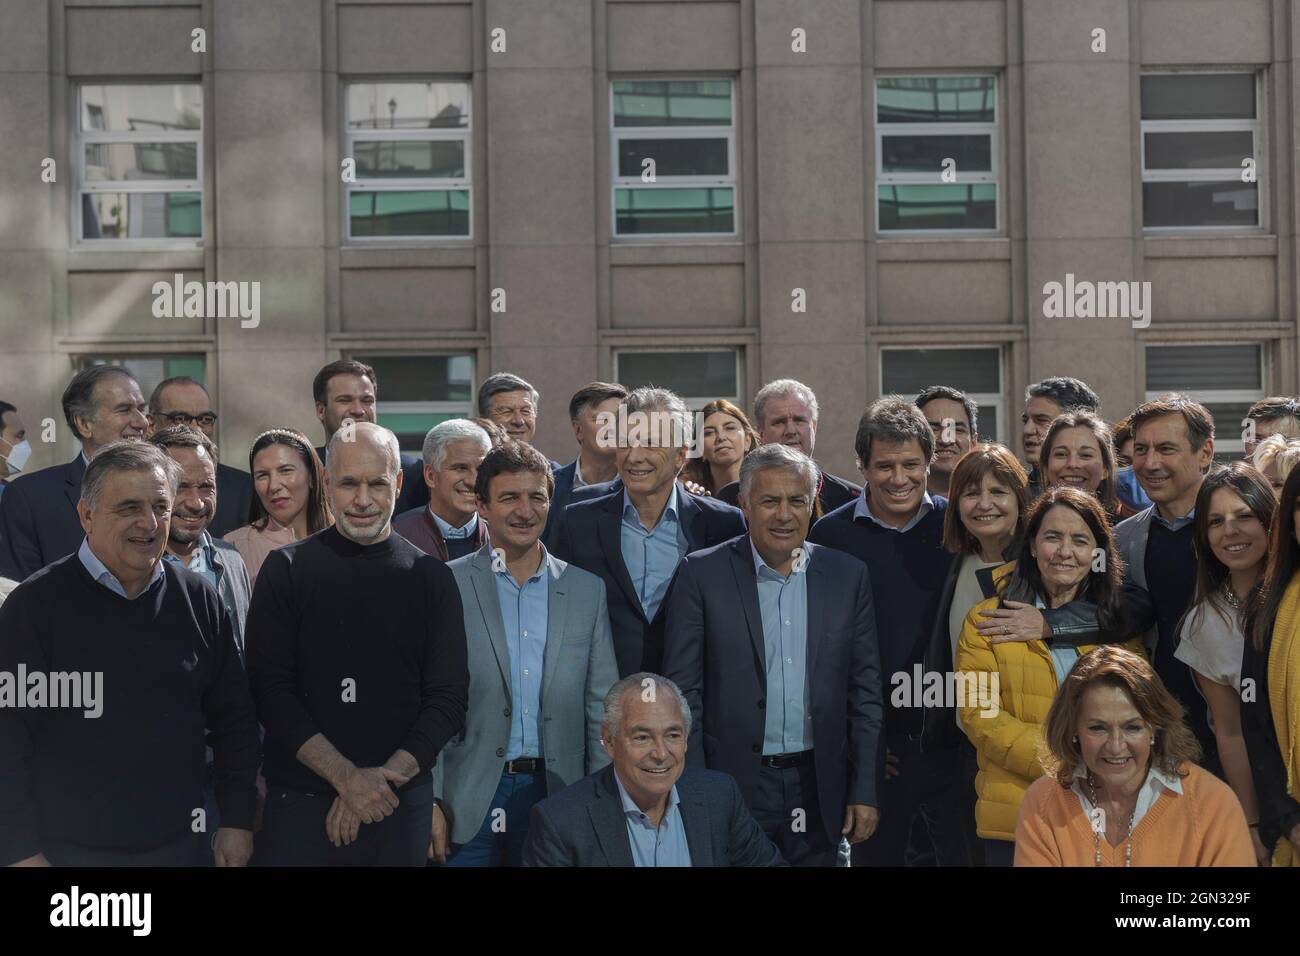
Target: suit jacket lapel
[
  {"x": 817, "y": 600},
  {"x": 435, "y": 535},
  {"x": 73, "y": 472},
  {"x": 606, "y": 813},
  {"x": 485, "y": 589},
  {"x": 608, "y": 523},
  {"x": 557, "y": 611},
  {"x": 691, "y": 517},
  {"x": 694, "y": 813},
  {"x": 742, "y": 566}
]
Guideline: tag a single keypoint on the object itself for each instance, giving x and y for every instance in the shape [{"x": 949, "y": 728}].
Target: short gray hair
[
  {"x": 383, "y": 436},
  {"x": 126, "y": 455},
  {"x": 613, "y": 715},
  {"x": 652, "y": 399},
  {"x": 503, "y": 382},
  {"x": 79, "y": 397},
  {"x": 443, "y": 434},
  {"x": 777, "y": 456},
  {"x": 783, "y": 388}
]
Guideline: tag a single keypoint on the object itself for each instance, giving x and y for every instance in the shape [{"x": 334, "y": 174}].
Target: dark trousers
[
  {"x": 785, "y": 806},
  {"x": 503, "y": 845},
  {"x": 1000, "y": 853},
  {"x": 193, "y": 849},
  {"x": 931, "y": 792},
  {"x": 293, "y": 831}
]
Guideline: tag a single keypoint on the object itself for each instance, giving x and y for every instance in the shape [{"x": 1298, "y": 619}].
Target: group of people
[{"x": 480, "y": 657}]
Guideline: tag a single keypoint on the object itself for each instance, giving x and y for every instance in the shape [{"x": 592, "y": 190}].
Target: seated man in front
[{"x": 643, "y": 810}]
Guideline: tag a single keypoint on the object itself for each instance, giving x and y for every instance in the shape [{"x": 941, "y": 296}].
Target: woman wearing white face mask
[{"x": 15, "y": 449}]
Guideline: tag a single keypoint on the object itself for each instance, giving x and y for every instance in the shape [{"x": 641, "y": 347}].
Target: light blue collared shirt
[
  {"x": 1177, "y": 523},
  {"x": 783, "y": 604},
  {"x": 665, "y": 846},
  {"x": 1156, "y": 782},
  {"x": 523, "y": 615},
  {"x": 448, "y": 533},
  {"x": 652, "y": 556},
  {"x": 1063, "y": 655},
  {"x": 200, "y": 560},
  {"x": 863, "y": 510},
  {"x": 99, "y": 571}
]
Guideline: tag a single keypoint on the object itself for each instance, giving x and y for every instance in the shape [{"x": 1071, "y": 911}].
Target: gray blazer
[
  {"x": 1131, "y": 542},
  {"x": 578, "y": 668},
  {"x": 232, "y": 585}
]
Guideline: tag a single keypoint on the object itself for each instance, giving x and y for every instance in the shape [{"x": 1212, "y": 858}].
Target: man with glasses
[{"x": 181, "y": 400}]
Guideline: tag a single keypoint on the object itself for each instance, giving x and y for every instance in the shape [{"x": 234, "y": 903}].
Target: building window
[
  {"x": 975, "y": 371},
  {"x": 1197, "y": 129},
  {"x": 139, "y": 163},
  {"x": 149, "y": 370},
  {"x": 1226, "y": 379},
  {"x": 683, "y": 132},
  {"x": 921, "y": 122},
  {"x": 412, "y": 146},
  {"x": 417, "y": 392},
  {"x": 699, "y": 376}
]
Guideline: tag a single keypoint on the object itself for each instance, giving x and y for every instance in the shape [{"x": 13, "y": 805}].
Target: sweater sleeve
[
  {"x": 1226, "y": 839},
  {"x": 444, "y": 674},
  {"x": 1036, "y": 841},
  {"x": 1278, "y": 812},
  {"x": 271, "y": 643},
  {"x": 232, "y": 729},
  {"x": 18, "y": 644},
  {"x": 1002, "y": 738}
]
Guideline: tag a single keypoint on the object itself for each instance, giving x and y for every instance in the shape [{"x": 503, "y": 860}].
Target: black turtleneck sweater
[{"x": 362, "y": 643}]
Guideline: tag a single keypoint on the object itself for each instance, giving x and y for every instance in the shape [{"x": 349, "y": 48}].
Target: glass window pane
[
  {"x": 920, "y": 154},
  {"x": 1185, "y": 368},
  {"x": 941, "y": 206},
  {"x": 907, "y": 371},
  {"x": 1231, "y": 203},
  {"x": 135, "y": 161},
  {"x": 410, "y": 213},
  {"x": 673, "y": 157},
  {"x": 1217, "y": 150},
  {"x": 410, "y": 428},
  {"x": 706, "y": 375},
  {"x": 1199, "y": 96},
  {"x": 149, "y": 370},
  {"x": 422, "y": 378},
  {"x": 408, "y": 106},
  {"x": 410, "y": 158},
  {"x": 684, "y": 210},
  {"x": 988, "y": 423},
  {"x": 141, "y": 108},
  {"x": 177, "y": 215},
  {"x": 935, "y": 99},
  {"x": 672, "y": 103}
]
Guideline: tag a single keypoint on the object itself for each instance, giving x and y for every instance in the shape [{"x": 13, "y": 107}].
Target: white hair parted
[
  {"x": 612, "y": 719},
  {"x": 127, "y": 455},
  {"x": 377, "y": 433},
  {"x": 783, "y": 388},
  {"x": 778, "y": 456},
  {"x": 443, "y": 434}
]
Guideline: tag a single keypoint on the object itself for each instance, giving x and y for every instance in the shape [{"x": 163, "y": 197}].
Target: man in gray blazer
[{"x": 540, "y": 661}]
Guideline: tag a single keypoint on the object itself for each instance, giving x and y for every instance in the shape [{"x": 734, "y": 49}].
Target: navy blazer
[
  {"x": 415, "y": 493},
  {"x": 584, "y": 824},
  {"x": 38, "y": 519},
  {"x": 590, "y": 536},
  {"x": 234, "y": 496},
  {"x": 713, "y": 651},
  {"x": 565, "y": 495}
]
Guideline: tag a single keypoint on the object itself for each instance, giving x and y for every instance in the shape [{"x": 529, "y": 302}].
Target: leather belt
[
  {"x": 782, "y": 761},
  {"x": 525, "y": 765}
]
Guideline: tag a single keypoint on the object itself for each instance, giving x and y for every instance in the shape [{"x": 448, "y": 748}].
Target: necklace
[
  {"x": 1228, "y": 595},
  {"x": 1096, "y": 832}
]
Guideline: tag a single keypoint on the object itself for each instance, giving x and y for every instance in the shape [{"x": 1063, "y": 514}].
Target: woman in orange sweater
[{"x": 1121, "y": 787}]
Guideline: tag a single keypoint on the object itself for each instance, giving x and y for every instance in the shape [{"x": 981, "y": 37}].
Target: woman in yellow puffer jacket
[{"x": 1067, "y": 536}]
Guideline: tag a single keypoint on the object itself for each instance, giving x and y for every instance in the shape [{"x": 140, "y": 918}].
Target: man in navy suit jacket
[
  {"x": 38, "y": 512},
  {"x": 635, "y": 538},
  {"x": 773, "y": 642},
  {"x": 595, "y": 465},
  {"x": 645, "y": 808}
]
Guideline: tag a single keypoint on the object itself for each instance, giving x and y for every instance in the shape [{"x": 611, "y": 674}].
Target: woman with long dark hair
[
  {"x": 1271, "y": 663},
  {"x": 726, "y": 438},
  {"x": 1234, "y": 509},
  {"x": 1077, "y": 453}
]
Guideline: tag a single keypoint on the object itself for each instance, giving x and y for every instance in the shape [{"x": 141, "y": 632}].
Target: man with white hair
[
  {"x": 448, "y": 527},
  {"x": 634, "y": 538},
  {"x": 356, "y": 652},
  {"x": 646, "y": 808},
  {"x": 773, "y": 642},
  {"x": 105, "y": 766}
]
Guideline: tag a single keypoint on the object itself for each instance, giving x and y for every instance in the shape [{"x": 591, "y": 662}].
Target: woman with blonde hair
[{"x": 1274, "y": 458}]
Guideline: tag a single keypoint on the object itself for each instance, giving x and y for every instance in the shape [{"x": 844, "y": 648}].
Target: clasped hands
[{"x": 365, "y": 795}]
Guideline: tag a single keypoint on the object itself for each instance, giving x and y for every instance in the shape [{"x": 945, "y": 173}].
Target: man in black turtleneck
[{"x": 356, "y": 652}]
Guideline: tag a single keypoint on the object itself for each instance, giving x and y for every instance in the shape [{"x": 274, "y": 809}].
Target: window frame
[
  {"x": 467, "y": 409},
  {"x": 693, "y": 402},
  {"x": 1217, "y": 396},
  {"x": 617, "y": 182},
  {"x": 993, "y": 176},
  {"x": 995, "y": 400},
  {"x": 81, "y": 186},
  {"x": 411, "y": 183},
  {"x": 1206, "y": 174}
]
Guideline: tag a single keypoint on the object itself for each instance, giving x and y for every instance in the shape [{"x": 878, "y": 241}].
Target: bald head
[{"x": 363, "y": 478}]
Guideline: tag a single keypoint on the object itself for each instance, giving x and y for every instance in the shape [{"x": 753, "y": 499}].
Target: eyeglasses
[{"x": 207, "y": 419}]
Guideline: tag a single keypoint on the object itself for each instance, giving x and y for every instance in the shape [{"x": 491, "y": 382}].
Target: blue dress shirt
[
  {"x": 99, "y": 571},
  {"x": 652, "y": 556},
  {"x": 523, "y": 616},
  {"x": 783, "y": 603},
  {"x": 1178, "y": 523},
  {"x": 449, "y": 533},
  {"x": 664, "y": 846},
  {"x": 863, "y": 510},
  {"x": 200, "y": 560}
]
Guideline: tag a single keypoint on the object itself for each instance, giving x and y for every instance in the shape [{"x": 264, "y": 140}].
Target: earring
[
  {"x": 1153, "y": 741},
  {"x": 1074, "y": 739}
]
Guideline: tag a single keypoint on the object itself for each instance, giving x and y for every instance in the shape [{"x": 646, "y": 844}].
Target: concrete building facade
[{"x": 808, "y": 225}]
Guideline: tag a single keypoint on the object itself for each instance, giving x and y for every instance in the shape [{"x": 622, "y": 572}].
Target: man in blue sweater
[{"x": 896, "y": 528}]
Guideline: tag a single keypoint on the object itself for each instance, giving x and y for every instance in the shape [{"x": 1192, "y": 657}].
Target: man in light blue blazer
[{"x": 540, "y": 660}]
